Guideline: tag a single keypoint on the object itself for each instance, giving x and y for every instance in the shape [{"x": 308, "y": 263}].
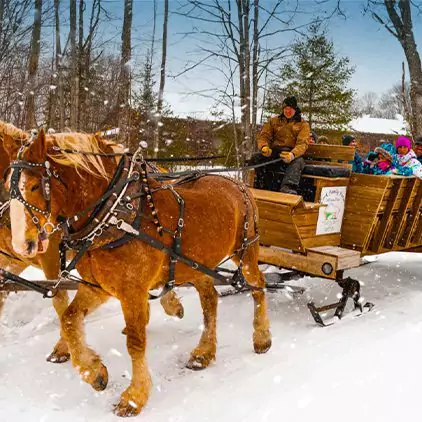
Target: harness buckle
[
  {"x": 35, "y": 219},
  {"x": 181, "y": 222},
  {"x": 49, "y": 227}
]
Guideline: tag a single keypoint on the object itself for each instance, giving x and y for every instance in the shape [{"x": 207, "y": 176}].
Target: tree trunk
[
  {"x": 242, "y": 80},
  {"x": 255, "y": 76},
  {"x": 158, "y": 130},
  {"x": 404, "y": 101},
  {"x": 404, "y": 33},
  {"x": 74, "y": 78},
  {"x": 60, "y": 87},
  {"x": 30, "y": 120},
  {"x": 124, "y": 80},
  {"x": 81, "y": 69},
  {"x": 248, "y": 147},
  {"x": 1, "y": 19}
]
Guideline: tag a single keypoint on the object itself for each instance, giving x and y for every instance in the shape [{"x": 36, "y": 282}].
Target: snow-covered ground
[{"x": 361, "y": 369}]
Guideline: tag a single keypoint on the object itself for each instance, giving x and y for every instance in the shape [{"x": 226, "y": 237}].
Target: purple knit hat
[{"x": 402, "y": 141}]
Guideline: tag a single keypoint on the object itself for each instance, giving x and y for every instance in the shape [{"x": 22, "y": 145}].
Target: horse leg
[
  {"x": 50, "y": 264},
  {"x": 204, "y": 353},
  {"x": 261, "y": 322},
  {"x": 60, "y": 352},
  {"x": 3, "y": 296},
  {"x": 92, "y": 370},
  {"x": 172, "y": 305},
  {"x": 136, "y": 395}
]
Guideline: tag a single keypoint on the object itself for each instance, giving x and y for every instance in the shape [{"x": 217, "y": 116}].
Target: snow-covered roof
[
  {"x": 368, "y": 124},
  {"x": 110, "y": 132}
]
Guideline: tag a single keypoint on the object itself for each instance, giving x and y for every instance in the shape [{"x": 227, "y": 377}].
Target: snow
[
  {"x": 365, "y": 368},
  {"x": 368, "y": 124}
]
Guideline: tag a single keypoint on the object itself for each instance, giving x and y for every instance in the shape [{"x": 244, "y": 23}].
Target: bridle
[{"x": 43, "y": 170}]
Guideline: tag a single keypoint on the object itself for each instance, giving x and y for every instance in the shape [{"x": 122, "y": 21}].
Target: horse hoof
[
  {"x": 58, "y": 358},
  {"x": 125, "y": 409},
  {"x": 100, "y": 383},
  {"x": 180, "y": 313},
  {"x": 262, "y": 348},
  {"x": 198, "y": 363}
]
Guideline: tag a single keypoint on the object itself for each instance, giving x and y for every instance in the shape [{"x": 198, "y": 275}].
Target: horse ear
[
  {"x": 11, "y": 146},
  {"x": 39, "y": 146}
]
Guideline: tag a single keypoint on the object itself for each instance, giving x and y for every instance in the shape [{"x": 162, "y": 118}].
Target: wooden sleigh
[{"x": 380, "y": 214}]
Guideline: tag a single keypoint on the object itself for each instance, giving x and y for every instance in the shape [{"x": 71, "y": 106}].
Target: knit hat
[
  {"x": 314, "y": 135},
  {"x": 347, "y": 139},
  {"x": 402, "y": 141},
  {"x": 323, "y": 140},
  {"x": 387, "y": 150},
  {"x": 290, "y": 101}
]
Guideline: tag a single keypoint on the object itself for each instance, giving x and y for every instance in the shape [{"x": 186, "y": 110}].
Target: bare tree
[
  {"x": 74, "y": 77},
  {"x": 368, "y": 103},
  {"x": 58, "y": 63},
  {"x": 396, "y": 17},
  {"x": 158, "y": 131},
  {"x": 244, "y": 26},
  {"x": 33, "y": 61},
  {"x": 124, "y": 82}
]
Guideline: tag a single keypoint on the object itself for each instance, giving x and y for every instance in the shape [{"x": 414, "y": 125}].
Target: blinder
[{"x": 43, "y": 171}]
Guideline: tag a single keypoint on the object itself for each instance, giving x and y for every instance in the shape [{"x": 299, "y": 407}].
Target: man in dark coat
[{"x": 285, "y": 136}]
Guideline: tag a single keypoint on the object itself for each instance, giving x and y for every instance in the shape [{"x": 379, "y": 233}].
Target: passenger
[
  {"x": 286, "y": 136},
  {"x": 370, "y": 161},
  {"x": 406, "y": 157},
  {"x": 313, "y": 139},
  {"x": 385, "y": 163},
  {"x": 323, "y": 140},
  {"x": 350, "y": 140}
]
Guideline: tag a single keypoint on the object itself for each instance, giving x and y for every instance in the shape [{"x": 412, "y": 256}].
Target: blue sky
[{"x": 375, "y": 53}]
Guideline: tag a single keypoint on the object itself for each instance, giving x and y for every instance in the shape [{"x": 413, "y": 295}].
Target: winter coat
[
  {"x": 370, "y": 165},
  {"x": 409, "y": 161},
  {"x": 357, "y": 163},
  {"x": 280, "y": 132},
  {"x": 373, "y": 168}
]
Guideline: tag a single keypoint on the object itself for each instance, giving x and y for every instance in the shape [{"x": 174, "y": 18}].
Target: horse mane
[
  {"x": 13, "y": 131},
  {"x": 91, "y": 164}
]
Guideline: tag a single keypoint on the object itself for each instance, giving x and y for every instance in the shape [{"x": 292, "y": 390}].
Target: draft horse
[
  {"x": 48, "y": 261},
  {"x": 10, "y": 260},
  {"x": 218, "y": 217}
]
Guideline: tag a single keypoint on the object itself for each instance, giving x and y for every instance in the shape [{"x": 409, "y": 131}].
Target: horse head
[
  {"x": 29, "y": 184},
  {"x": 50, "y": 179}
]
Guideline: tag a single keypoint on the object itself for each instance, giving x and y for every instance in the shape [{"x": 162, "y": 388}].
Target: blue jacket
[{"x": 357, "y": 164}]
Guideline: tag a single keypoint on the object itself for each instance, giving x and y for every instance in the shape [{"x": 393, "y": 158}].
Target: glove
[
  {"x": 266, "y": 151},
  {"x": 287, "y": 157}
]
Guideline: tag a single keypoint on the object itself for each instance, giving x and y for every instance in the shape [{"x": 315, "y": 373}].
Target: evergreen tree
[
  {"x": 145, "y": 98},
  {"x": 319, "y": 80}
]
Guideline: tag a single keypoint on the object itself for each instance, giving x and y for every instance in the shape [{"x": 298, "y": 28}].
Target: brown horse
[
  {"x": 48, "y": 262},
  {"x": 215, "y": 209},
  {"x": 14, "y": 263}
]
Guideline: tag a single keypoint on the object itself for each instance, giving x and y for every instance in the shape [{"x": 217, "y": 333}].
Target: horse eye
[{"x": 34, "y": 188}]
